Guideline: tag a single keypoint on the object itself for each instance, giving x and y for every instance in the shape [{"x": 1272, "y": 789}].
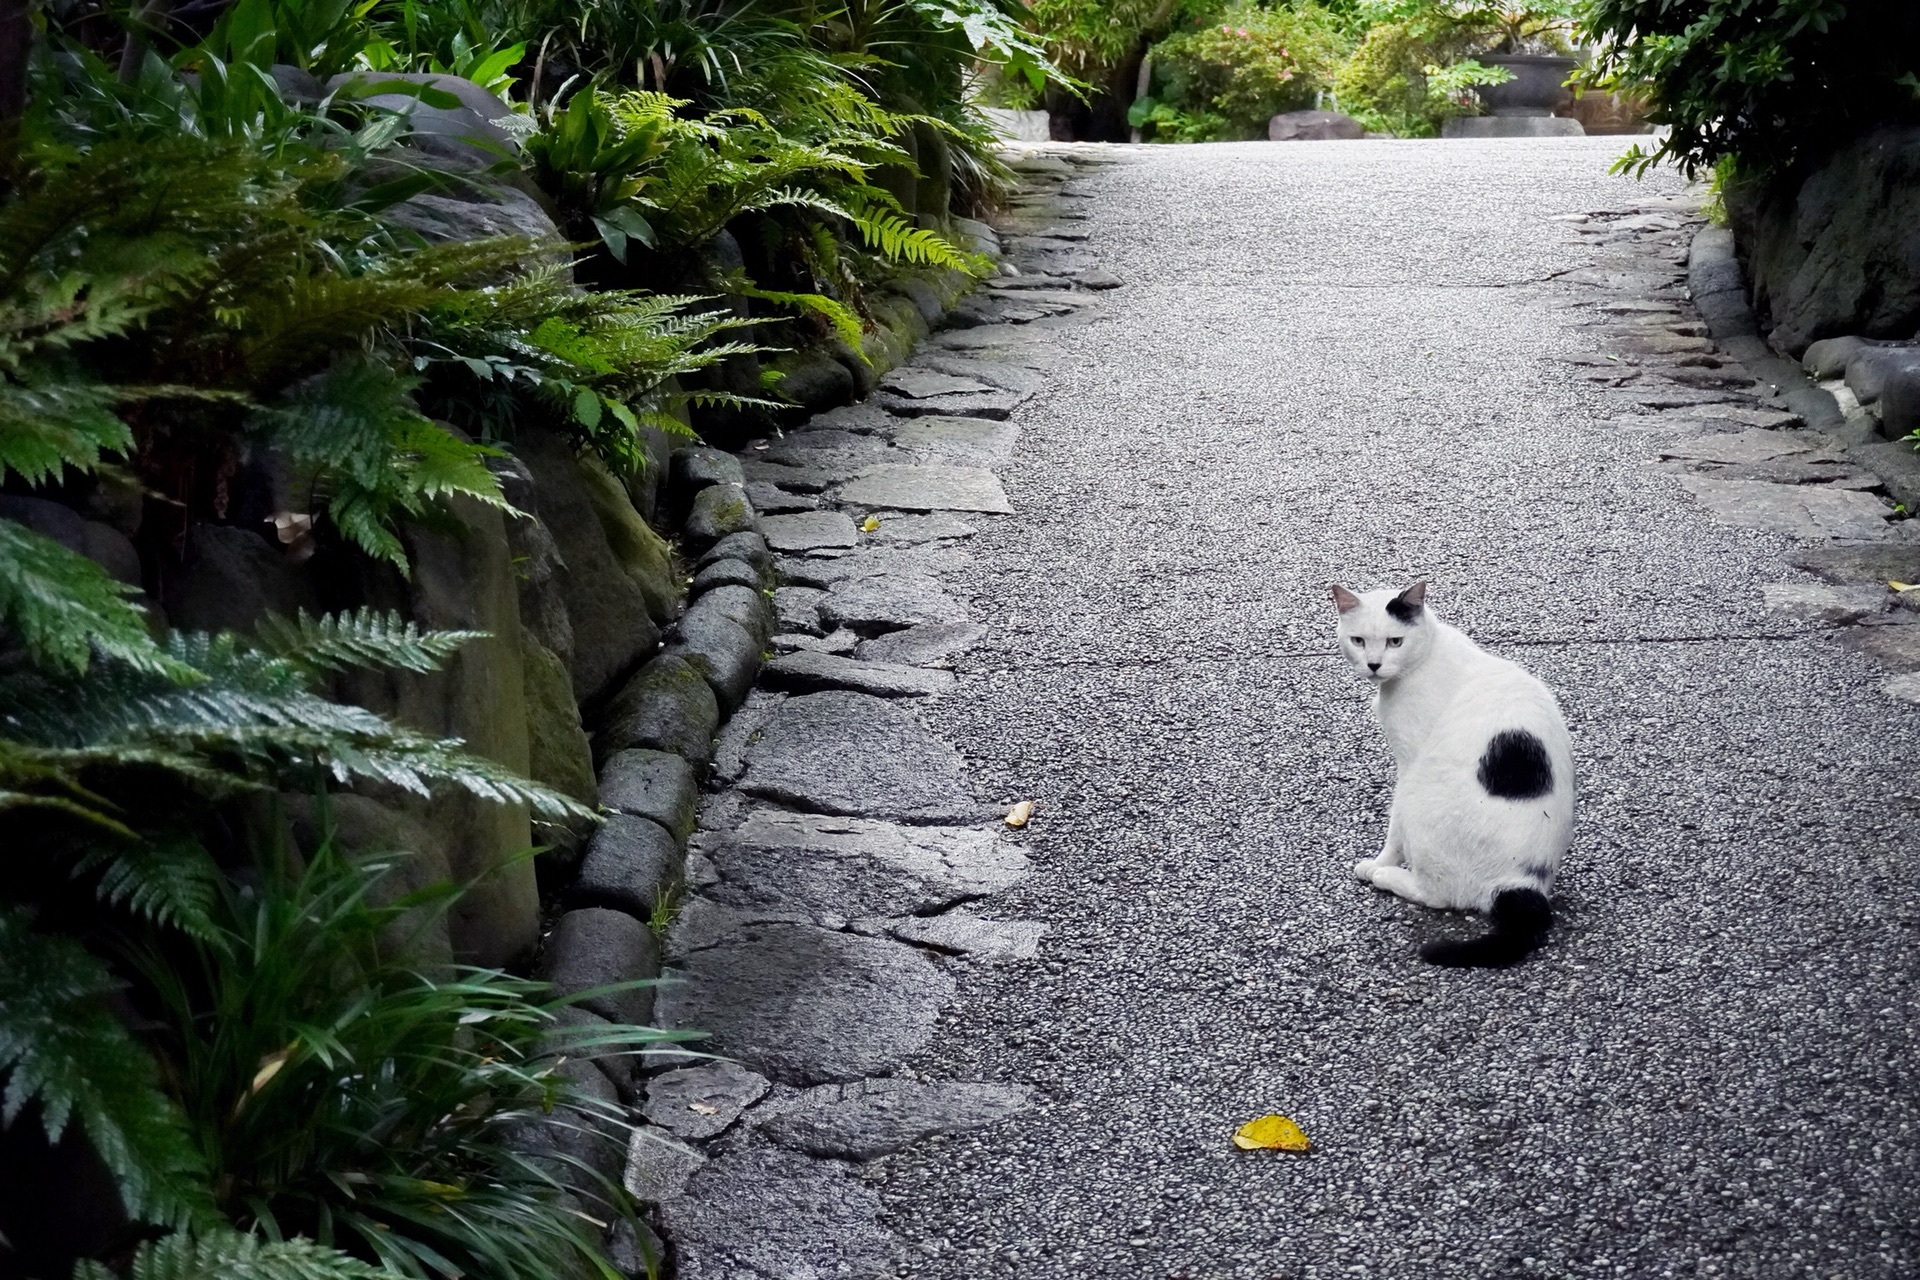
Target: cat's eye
[
  {"x": 1359, "y": 640},
  {"x": 1393, "y": 642}
]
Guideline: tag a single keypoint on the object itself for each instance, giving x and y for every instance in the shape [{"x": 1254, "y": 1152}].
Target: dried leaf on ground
[
  {"x": 1020, "y": 813},
  {"x": 870, "y": 524},
  {"x": 1271, "y": 1133}
]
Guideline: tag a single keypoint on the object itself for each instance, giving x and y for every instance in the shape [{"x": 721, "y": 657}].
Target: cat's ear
[
  {"x": 1343, "y": 599},
  {"x": 1407, "y": 605}
]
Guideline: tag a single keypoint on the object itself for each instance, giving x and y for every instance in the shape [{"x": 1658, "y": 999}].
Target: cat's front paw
[{"x": 1363, "y": 869}]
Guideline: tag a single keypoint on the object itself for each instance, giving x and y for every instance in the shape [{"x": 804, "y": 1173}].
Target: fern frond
[
  {"x": 365, "y": 637},
  {"x": 223, "y": 1254},
  {"x": 65, "y": 1050},
  {"x": 170, "y": 880},
  {"x": 65, "y": 608},
  {"x": 838, "y": 314},
  {"x": 249, "y": 721},
  {"x": 48, "y": 426}
]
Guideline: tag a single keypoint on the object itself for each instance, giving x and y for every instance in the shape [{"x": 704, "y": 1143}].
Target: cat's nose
[{"x": 1373, "y": 666}]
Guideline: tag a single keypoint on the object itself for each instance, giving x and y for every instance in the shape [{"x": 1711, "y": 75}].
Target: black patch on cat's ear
[
  {"x": 1406, "y": 606},
  {"x": 1515, "y": 766}
]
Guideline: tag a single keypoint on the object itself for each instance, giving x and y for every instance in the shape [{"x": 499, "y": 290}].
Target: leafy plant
[
  {"x": 1410, "y": 76},
  {"x": 1248, "y": 66},
  {"x": 1772, "y": 84}
]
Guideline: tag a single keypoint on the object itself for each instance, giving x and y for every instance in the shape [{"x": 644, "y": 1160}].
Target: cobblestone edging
[
  {"x": 1761, "y": 441},
  {"x": 818, "y": 850}
]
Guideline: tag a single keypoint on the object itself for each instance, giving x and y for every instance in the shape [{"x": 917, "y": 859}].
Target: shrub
[
  {"x": 1248, "y": 66},
  {"x": 1771, "y": 84},
  {"x": 1409, "y": 77}
]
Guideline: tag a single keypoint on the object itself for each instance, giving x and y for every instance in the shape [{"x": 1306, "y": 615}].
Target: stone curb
[
  {"x": 1718, "y": 286},
  {"x": 841, "y": 850}
]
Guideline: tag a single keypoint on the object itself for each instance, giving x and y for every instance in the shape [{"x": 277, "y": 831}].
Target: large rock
[
  {"x": 723, "y": 636},
  {"x": 558, "y": 753},
  {"x": 1837, "y": 251},
  {"x": 599, "y": 947},
  {"x": 854, "y": 867},
  {"x": 463, "y": 579},
  {"x": 850, "y": 753},
  {"x": 1807, "y": 511},
  {"x": 629, "y": 864},
  {"x": 803, "y": 1005},
  {"x": 668, "y": 706},
  {"x": 469, "y": 123},
  {"x": 719, "y": 510},
  {"x": 872, "y": 1118},
  {"x": 1900, "y": 403},
  {"x": 659, "y": 1165},
  {"x": 1313, "y": 126},
  {"x": 536, "y": 557},
  {"x": 231, "y": 577},
  {"x": 618, "y": 577},
  {"x": 1871, "y": 367},
  {"x": 651, "y": 784}
]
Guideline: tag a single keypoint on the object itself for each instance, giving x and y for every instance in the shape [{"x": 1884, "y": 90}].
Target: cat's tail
[{"x": 1521, "y": 918}]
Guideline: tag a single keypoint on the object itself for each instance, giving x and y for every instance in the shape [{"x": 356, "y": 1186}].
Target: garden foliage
[
  {"x": 215, "y": 309},
  {"x": 1769, "y": 84}
]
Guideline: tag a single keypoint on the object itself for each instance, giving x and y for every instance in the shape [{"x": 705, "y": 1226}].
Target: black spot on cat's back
[{"x": 1515, "y": 766}]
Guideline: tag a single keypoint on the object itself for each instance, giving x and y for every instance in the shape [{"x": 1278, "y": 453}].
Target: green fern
[
  {"x": 169, "y": 879},
  {"x": 228, "y": 1255},
  {"x": 364, "y": 637},
  {"x": 366, "y": 450},
  {"x": 65, "y": 609},
  {"x": 838, "y": 314},
  {"x": 65, "y": 1050},
  {"x": 247, "y": 722}
]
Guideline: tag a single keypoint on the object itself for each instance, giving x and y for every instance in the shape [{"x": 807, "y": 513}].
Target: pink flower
[
  {"x": 1243, "y": 33},
  {"x": 1225, "y": 30}
]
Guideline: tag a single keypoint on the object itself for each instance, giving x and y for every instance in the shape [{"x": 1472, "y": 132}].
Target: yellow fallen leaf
[
  {"x": 1271, "y": 1133},
  {"x": 1903, "y": 587},
  {"x": 870, "y": 524},
  {"x": 703, "y": 1108},
  {"x": 1020, "y": 813}
]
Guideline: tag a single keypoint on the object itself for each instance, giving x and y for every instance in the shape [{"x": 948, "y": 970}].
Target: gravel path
[{"x": 1347, "y": 362}]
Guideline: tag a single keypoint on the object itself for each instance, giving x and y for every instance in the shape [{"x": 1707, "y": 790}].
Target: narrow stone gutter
[
  {"x": 825, "y": 866},
  {"x": 1761, "y": 441}
]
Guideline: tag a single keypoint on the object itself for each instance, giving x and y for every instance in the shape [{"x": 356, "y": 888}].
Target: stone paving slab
[
  {"x": 804, "y": 1005},
  {"x": 1805, "y": 511},
  {"x": 851, "y": 753},
  {"x": 928, "y": 487}
]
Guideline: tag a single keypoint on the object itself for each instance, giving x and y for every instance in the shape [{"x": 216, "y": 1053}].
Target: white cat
[{"x": 1483, "y": 803}]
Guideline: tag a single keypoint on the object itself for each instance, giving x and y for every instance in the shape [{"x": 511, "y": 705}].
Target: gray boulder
[
  {"x": 598, "y": 947},
  {"x": 1900, "y": 405},
  {"x": 699, "y": 1102},
  {"x": 1838, "y": 251},
  {"x": 1313, "y": 126},
  {"x": 651, "y": 784},
  {"x": 726, "y": 573},
  {"x": 667, "y": 706},
  {"x": 1871, "y": 367},
  {"x": 719, "y": 510},
  {"x": 628, "y": 864},
  {"x": 751, "y": 547},
  {"x": 1828, "y": 357}
]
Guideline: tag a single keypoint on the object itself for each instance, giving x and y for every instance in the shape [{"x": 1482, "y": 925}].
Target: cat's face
[{"x": 1383, "y": 633}]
